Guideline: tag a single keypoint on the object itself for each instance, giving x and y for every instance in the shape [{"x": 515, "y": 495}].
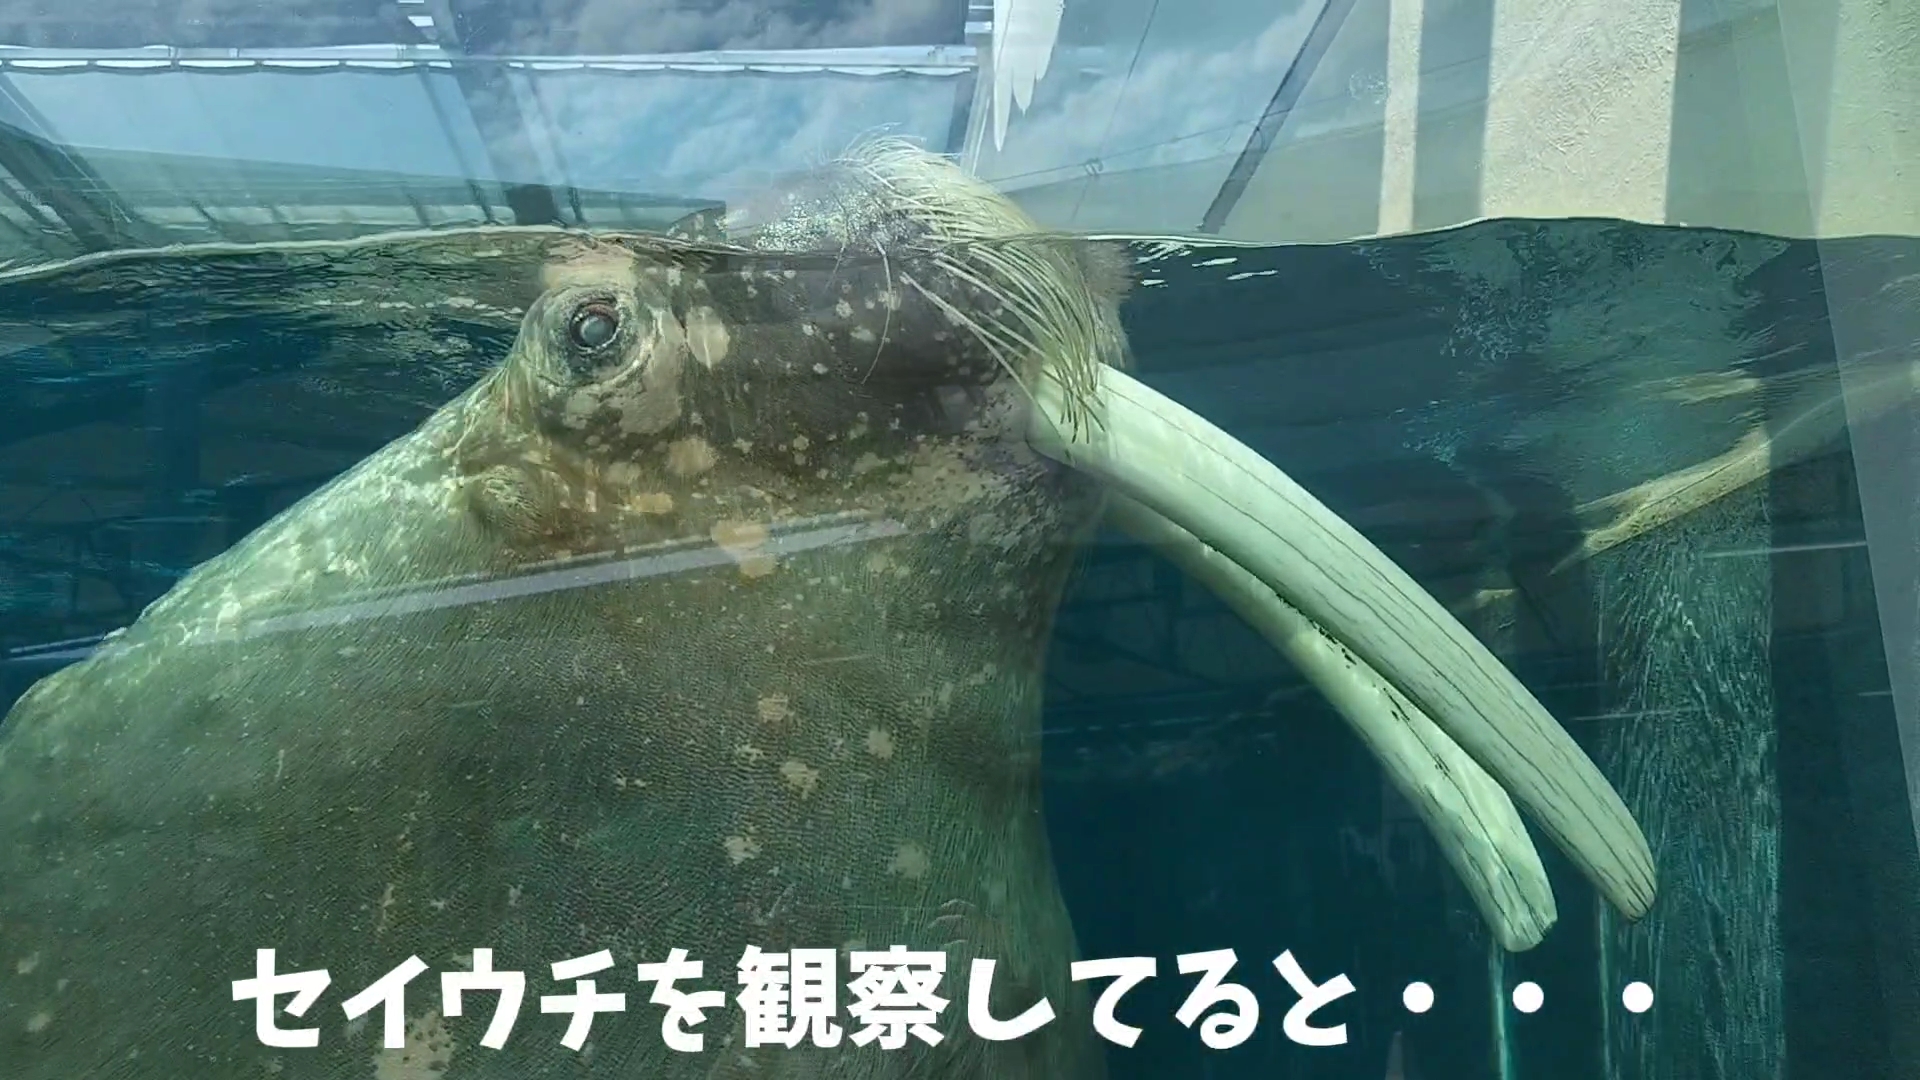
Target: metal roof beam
[
  {"x": 1326, "y": 27},
  {"x": 875, "y": 59},
  {"x": 62, "y": 180},
  {"x": 497, "y": 114}
]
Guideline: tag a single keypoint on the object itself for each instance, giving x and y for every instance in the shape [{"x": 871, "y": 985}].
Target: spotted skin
[{"x": 725, "y": 630}]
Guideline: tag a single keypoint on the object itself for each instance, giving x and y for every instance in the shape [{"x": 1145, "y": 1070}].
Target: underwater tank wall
[{"x": 1659, "y": 468}]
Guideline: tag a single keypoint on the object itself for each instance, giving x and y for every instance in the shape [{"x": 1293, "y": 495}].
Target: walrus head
[{"x": 871, "y": 348}]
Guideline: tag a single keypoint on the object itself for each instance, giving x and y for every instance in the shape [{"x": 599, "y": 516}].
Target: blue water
[{"x": 1458, "y": 397}]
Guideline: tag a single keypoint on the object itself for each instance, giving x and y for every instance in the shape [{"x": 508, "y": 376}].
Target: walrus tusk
[
  {"x": 1240, "y": 504},
  {"x": 1475, "y": 823},
  {"x": 1822, "y": 418}
]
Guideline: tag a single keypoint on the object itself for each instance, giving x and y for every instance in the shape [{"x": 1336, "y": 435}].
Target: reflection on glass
[{"x": 591, "y": 527}]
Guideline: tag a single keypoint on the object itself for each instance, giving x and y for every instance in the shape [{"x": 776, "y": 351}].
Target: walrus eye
[{"x": 593, "y": 325}]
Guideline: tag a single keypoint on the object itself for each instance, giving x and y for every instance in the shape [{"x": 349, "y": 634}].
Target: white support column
[
  {"x": 1580, "y": 108},
  {"x": 1397, "y": 167}
]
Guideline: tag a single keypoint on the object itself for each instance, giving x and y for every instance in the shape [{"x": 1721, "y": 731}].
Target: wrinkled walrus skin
[{"x": 714, "y": 617}]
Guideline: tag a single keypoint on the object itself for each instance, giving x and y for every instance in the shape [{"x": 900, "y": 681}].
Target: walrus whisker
[
  {"x": 886, "y": 325},
  {"x": 1004, "y": 343},
  {"x": 994, "y": 346},
  {"x": 968, "y": 212}
]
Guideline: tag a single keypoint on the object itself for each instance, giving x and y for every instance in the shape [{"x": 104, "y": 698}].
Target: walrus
[{"x": 712, "y": 618}]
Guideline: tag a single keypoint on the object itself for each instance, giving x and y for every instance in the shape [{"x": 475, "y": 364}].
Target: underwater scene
[{"x": 1475, "y": 632}]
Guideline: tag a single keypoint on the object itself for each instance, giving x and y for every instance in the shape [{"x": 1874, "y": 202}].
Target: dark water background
[{"x": 1456, "y": 396}]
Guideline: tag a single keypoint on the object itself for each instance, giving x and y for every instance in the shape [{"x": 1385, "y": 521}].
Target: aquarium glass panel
[{"x": 977, "y": 539}]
